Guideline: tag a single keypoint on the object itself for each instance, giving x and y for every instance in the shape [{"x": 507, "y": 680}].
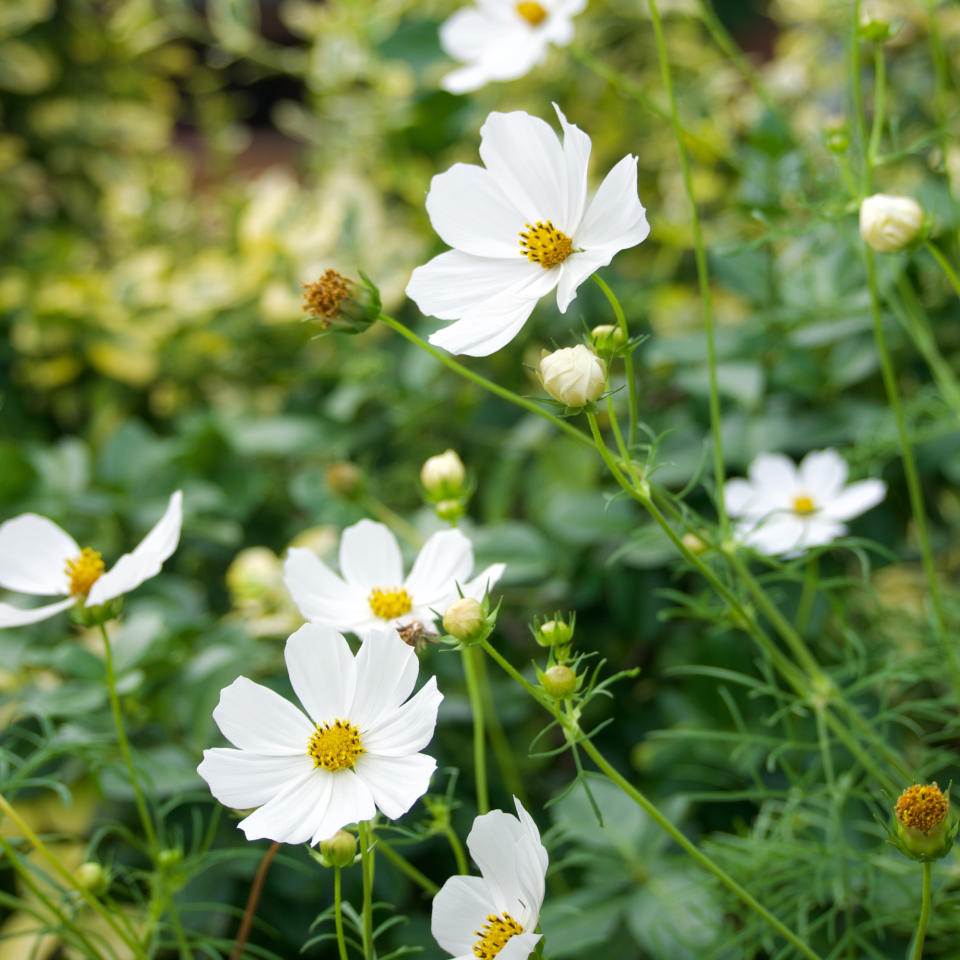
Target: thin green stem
[
  {"x": 942, "y": 96},
  {"x": 703, "y": 274},
  {"x": 367, "y": 866},
  {"x": 498, "y": 738},
  {"x": 406, "y": 867},
  {"x": 627, "y": 359},
  {"x": 479, "y": 738},
  {"x": 951, "y": 274},
  {"x": 338, "y": 914},
  {"x": 859, "y": 112},
  {"x": 7, "y": 810},
  {"x": 924, "y": 913},
  {"x": 457, "y": 847},
  {"x": 879, "y": 103},
  {"x": 495, "y": 388},
  {"x": 807, "y": 596}
]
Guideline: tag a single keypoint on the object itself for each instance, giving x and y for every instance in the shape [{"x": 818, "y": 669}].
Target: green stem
[
  {"x": 951, "y": 274},
  {"x": 457, "y": 847},
  {"x": 807, "y": 596},
  {"x": 338, "y": 914},
  {"x": 942, "y": 98},
  {"x": 627, "y": 359},
  {"x": 494, "y": 388},
  {"x": 498, "y": 738},
  {"x": 367, "y": 866},
  {"x": 703, "y": 274},
  {"x": 879, "y": 103},
  {"x": 860, "y": 114},
  {"x": 406, "y": 867},
  {"x": 479, "y": 740},
  {"x": 93, "y": 902},
  {"x": 924, "y": 913}
]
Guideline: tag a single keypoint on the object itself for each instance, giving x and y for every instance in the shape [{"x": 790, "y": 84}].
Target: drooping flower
[
  {"x": 372, "y": 590},
  {"x": 495, "y": 915},
  {"x": 574, "y": 376},
  {"x": 889, "y": 223},
  {"x": 520, "y": 226},
  {"x": 38, "y": 557},
  {"x": 785, "y": 508},
  {"x": 354, "y": 750},
  {"x": 504, "y": 39}
]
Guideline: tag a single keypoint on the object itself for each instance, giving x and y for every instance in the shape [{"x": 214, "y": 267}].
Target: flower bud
[
  {"x": 340, "y": 303},
  {"x": 574, "y": 376},
  {"x": 92, "y": 877},
  {"x": 449, "y": 510},
  {"x": 345, "y": 479},
  {"x": 554, "y": 633},
  {"x": 693, "y": 543},
  {"x": 559, "y": 681},
  {"x": 877, "y": 21},
  {"x": 465, "y": 620},
  {"x": 889, "y": 223},
  {"x": 607, "y": 338},
  {"x": 443, "y": 476},
  {"x": 169, "y": 857},
  {"x": 340, "y": 850},
  {"x": 923, "y": 824}
]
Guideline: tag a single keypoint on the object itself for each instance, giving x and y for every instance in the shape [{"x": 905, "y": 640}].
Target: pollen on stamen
[
  {"x": 84, "y": 571},
  {"x": 335, "y": 746},
  {"x": 494, "y": 935},
  {"x": 803, "y": 504},
  {"x": 922, "y": 807},
  {"x": 543, "y": 243},
  {"x": 323, "y": 297},
  {"x": 533, "y": 13},
  {"x": 390, "y": 604}
]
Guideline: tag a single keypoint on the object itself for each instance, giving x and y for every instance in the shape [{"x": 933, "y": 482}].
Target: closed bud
[
  {"x": 345, "y": 479},
  {"x": 169, "y": 857},
  {"x": 924, "y": 830},
  {"x": 340, "y": 850},
  {"x": 607, "y": 339},
  {"x": 877, "y": 23},
  {"x": 92, "y": 877},
  {"x": 573, "y": 376},
  {"x": 559, "y": 681},
  {"x": 340, "y": 303},
  {"x": 465, "y": 619},
  {"x": 443, "y": 476},
  {"x": 693, "y": 543},
  {"x": 554, "y": 633},
  {"x": 889, "y": 223}
]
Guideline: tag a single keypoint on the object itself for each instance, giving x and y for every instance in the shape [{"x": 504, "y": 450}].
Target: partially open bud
[
  {"x": 889, "y": 223},
  {"x": 554, "y": 633},
  {"x": 559, "y": 681},
  {"x": 923, "y": 824},
  {"x": 340, "y": 303},
  {"x": 574, "y": 376},
  {"x": 607, "y": 338},
  {"x": 340, "y": 850},
  {"x": 443, "y": 476},
  {"x": 465, "y": 619},
  {"x": 92, "y": 876}
]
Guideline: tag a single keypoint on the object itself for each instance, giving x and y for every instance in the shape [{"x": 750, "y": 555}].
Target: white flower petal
[
  {"x": 779, "y": 534},
  {"x": 739, "y": 496},
  {"x": 470, "y": 212},
  {"x": 855, "y": 499},
  {"x": 320, "y": 595},
  {"x": 498, "y": 844},
  {"x": 396, "y": 782},
  {"x": 519, "y": 946},
  {"x": 145, "y": 560},
  {"x": 11, "y": 616},
  {"x": 615, "y": 219},
  {"x": 526, "y": 159},
  {"x": 533, "y": 834},
  {"x": 467, "y": 34},
  {"x": 485, "y": 330},
  {"x": 322, "y": 672},
  {"x": 33, "y": 555},
  {"x": 386, "y": 670},
  {"x": 409, "y": 728},
  {"x": 774, "y": 477},
  {"x": 370, "y": 555},
  {"x": 576, "y": 153},
  {"x": 445, "y": 560},
  {"x": 822, "y": 474},
  {"x": 350, "y": 802},
  {"x": 818, "y": 531},
  {"x": 460, "y": 909},
  {"x": 480, "y": 584},
  {"x": 577, "y": 268},
  {"x": 291, "y": 816},
  {"x": 253, "y": 717},
  {"x": 241, "y": 779}
]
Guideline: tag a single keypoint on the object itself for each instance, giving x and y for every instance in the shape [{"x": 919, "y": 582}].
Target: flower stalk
[
  {"x": 338, "y": 913},
  {"x": 468, "y": 659},
  {"x": 924, "y": 913},
  {"x": 367, "y": 866}
]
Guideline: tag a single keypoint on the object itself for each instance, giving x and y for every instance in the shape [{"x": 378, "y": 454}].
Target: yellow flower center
[
  {"x": 803, "y": 504},
  {"x": 335, "y": 746},
  {"x": 494, "y": 935},
  {"x": 922, "y": 807},
  {"x": 543, "y": 243},
  {"x": 84, "y": 571},
  {"x": 322, "y": 298},
  {"x": 533, "y": 13},
  {"x": 389, "y": 604}
]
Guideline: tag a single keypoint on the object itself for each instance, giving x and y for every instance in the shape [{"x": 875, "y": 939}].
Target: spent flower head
[{"x": 340, "y": 303}]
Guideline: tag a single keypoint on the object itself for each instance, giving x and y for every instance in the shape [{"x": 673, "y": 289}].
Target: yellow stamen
[
  {"x": 389, "y": 604},
  {"x": 922, "y": 807},
  {"x": 543, "y": 243},
  {"x": 84, "y": 571},
  {"x": 335, "y": 746},
  {"x": 803, "y": 504},
  {"x": 322, "y": 298},
  {"x": 533, "y": 13},
  {"x": 494, "y": 935}
]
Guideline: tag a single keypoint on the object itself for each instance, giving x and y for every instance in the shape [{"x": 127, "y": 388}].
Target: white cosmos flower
[
  {"x": 784, "y": 508},
  {"x": 504, "y": 39},
  {"x": 372, "y": 590},
  {"x": 355, "y": 750},
  {"x": 520, "y": 226},
  {"x": 38, "y": 557},
  {"x": 495, "y": 915}
]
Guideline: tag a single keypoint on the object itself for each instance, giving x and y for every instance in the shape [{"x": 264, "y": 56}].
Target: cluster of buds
[
  {"x": 469, "y": 622},
  {"x": 559, "y": 680},
  {"x": 923, "y": 828},
  {"x": 889, "y": 223},
  {"x": 573, "y": 376},
  {"x": 444, "y": 482},
  {"x": 339, "y": 303}
]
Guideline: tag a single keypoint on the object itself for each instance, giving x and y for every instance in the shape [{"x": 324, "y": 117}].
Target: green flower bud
[
  {"x": 693, "y": 543},
  {"x": 340, "y": 303},
  {"x": 443, "y": 476},
  {"x": 340, "y": 850},
  {"x": 92, "y": 876},
  {"x": 554, "y": 633},
  {"x": 168, "y": 858},
  {"x": 607, "y": 339},
  {"x": 924, "y": 830},
  {"x": 559, "y": 681},
  {"x": 465, "y": 619},
  {"x": 345, "y": 479}
]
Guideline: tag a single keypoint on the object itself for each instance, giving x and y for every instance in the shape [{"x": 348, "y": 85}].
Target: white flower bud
[
  {"x": 465, "y": 620},
  {"x": 574, "y": 375},
  {"x": 443, "y": 476},
  {"x": 889, "y": 223}
]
